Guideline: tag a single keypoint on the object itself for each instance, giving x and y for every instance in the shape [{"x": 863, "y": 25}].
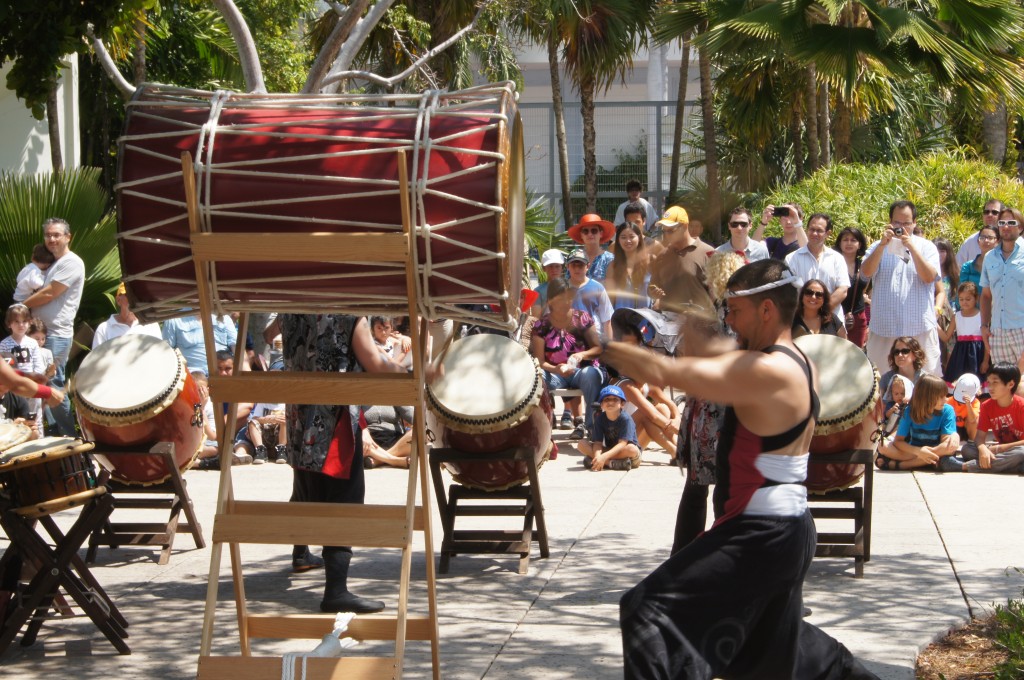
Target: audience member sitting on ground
[
  {"x": 394, "y": 347},
  {"x": 387, "y": 437},
  {"x": 1002, "y": 417},
  {"x": 895, "y": 401},
  {"x": 906, "y": 358},
  {"x": 655, "y": 415},
  {"x": 613, "y": 442},
  {"x": 966, "y": 406},
  {"x": 927, "y": 430},
  {"x": 266, "y": 424},
  {"x": 814, "y": 315},
  {"x": 629, "y": 273},
  {"x": 209, "y": 454},
  {"x": 566, "y": 344}
]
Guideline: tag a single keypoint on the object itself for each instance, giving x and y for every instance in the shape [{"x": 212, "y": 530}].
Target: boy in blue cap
[{"x": 613, "y": 441}]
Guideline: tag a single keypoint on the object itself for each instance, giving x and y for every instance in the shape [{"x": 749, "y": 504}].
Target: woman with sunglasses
[
  {"x": 814, "y": 315},
  {"x": 629, "y": 273},
  {"x": 906, "y": 358},
  {"x": 852, "y": 244}
]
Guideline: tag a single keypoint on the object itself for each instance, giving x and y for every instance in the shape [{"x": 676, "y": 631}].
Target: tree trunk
[
  {"x": 707, "y": 110},
  {"x": 798, "y": 147},
  {"x": 843, "y": 131},
  {"x": 824, "y": 138},
  {"x": 588, "y": 86},
  {"x": 563, "y": 145},
  {"x": 53, "y": 124},
  {"x": 811, "y": 118},
  {"x": 139, "y": 52},
  {"x": 677, "y": 133},
  {"x": 994, "y": 132}
]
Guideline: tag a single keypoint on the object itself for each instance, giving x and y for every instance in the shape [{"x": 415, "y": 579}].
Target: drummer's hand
[
  {"x": 56, "y": 397},
  {"x": 655, "y": 292},
  {"x": 433, "y": 371}
]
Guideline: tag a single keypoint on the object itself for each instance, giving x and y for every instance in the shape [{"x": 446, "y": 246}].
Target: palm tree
[
  {"x": 76, "y": 196},
  {"x": 599, "y": 39}
]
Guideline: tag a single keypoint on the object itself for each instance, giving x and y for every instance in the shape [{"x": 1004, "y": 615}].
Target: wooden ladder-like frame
[{"x": 283, "y": 523}]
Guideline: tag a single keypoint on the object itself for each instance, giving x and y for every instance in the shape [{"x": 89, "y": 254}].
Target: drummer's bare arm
[{"x": 26, "y": 387}]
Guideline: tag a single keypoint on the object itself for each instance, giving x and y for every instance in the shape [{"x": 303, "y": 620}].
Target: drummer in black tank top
[{"x": 730, "y": 603}]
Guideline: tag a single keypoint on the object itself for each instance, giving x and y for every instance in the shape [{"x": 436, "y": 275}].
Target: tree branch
[
  {"x": 107, "y": 62},
  {"x": 247, "y": 55},
  {"x": 322, "y": 65},
  {"x": 388, "y": 82},
  {"x": 357, "y": 38}
]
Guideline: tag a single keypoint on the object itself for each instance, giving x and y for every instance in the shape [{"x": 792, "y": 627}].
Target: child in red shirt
[{"x": 1002, "y": 416}]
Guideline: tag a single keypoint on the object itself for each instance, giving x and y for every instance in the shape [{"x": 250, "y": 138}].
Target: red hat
[{"x": 592, "y": 220}]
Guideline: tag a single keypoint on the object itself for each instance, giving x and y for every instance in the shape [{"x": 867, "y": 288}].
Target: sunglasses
[
  {"x": 739, "y": 225},
  {"x": 1008, "y": 223},
  {"x": 990, "y": 212},
  {"x": 901, "y": 352},
  {"x": 595, "y": 230},
  {"x": 814, "y": 294}
]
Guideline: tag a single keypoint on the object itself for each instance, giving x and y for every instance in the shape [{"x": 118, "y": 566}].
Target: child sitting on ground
[
  {"x": 33, "y": 275},
  {"x": 927, "y": 430},
  {"x": 266, "y": 421},
  {"x": 1002, "y": 416},
  {"x": 966, "y": 406},
  {"x": 613, "y": 442},
  {"x": 208, "y": 459},
  {"x": 895, "y": 402}
]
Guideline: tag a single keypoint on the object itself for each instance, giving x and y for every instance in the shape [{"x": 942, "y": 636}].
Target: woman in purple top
[{"x": 566, "y": 343}]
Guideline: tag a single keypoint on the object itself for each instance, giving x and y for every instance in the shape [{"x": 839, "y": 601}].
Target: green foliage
[
  {"x": 541, "y": 223},
  {"x": 1010, "y": 637},
  {"x": 949, "y": 189},
  {"x": 629, "y": 164},
  {"x": 37, "y": 34},
  {"x": 276, "y": 30},
  {"x": 74, "y": 195}
]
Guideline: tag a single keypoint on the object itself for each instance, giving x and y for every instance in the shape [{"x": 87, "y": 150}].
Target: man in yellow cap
[
  {"x": 684, "y": 254},
  {"x": 122, "y": 323}
]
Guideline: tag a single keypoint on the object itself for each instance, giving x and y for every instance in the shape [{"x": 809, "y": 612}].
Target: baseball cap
[
  {"x": 578, "y": 256},
  {"x": 553, "y": 256},
  {"x": 674, "y": 216},
  {"x": 966, "y": 388},
  {"x": 612, "y": 391}
]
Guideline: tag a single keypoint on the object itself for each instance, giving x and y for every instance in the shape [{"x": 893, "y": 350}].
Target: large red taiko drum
[
  {"x": 136, "y": 391},
  {"x": 326, "y": 163},
  {"x": 850, "y": 408},
  {"x": 492, "y": 397}
]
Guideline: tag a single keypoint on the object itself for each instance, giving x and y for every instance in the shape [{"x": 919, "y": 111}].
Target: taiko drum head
[
  {"x": 12, "y": 434},
  {"x": 489, "y": 382},
  {"x": 847, "y": 383},
  {"x": 128, "y": 380}
]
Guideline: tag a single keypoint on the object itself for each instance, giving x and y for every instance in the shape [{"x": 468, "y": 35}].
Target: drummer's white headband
[{"x": 790, "y": 278}]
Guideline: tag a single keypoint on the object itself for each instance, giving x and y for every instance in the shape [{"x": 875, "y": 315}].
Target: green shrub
[
  {"x": 1010, "y": 637},
  {"x": 949, "y": 189}
]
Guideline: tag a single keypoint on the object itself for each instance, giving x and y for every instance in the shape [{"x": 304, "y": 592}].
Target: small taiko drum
[
  {"x": 12, "y": 434},
  {"x": 135, "y": 391},
  {"x": 850, "y": 408},
  {"x": 492, "y": 397},
  {"x": 306, "y": 163},
  {"x": 48, "y": 475}
]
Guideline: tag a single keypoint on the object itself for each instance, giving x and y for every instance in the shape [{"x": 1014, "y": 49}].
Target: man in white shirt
[
  {"x": 903, "y": 269},
  {"x": 56, "y": 303},
  {"x": 970, "y": 249},
  {"x": 122, "y": 323},
  {"x": 815, "y": 261},
  {"x": 739, "y": 238},
  {"x": 633, "y": 190}
]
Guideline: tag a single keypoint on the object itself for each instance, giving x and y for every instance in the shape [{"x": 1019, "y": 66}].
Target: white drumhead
[
  {"x": 485, "y": 377},
  {"x": 13, "y": 433},
  {"x": 42, "y": 445},
  {"x": 127, "y": 374},
  {"x": 846, "y": 378}
]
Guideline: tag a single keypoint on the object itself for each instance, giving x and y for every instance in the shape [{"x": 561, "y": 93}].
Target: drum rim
[
  {"x": 136, "y": 414},
  {"x": 845, "y": 422},
  {"x": 66, "y": 502},
  {"x": 75, "y": 447}
]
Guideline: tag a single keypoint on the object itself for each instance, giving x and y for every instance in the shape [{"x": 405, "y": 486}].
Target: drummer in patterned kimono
[{"x": 325, "y": 441}]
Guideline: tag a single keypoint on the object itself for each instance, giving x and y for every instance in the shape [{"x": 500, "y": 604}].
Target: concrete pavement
[{"x": 943, "y": 547}]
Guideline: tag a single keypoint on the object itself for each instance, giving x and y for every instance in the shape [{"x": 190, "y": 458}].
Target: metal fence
[{"x": 634, "y": 141}]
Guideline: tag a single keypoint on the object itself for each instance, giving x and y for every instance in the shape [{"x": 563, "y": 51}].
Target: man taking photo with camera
[{"x": 903, "y": 269}]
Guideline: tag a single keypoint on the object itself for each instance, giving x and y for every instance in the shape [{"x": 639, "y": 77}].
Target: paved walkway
[{"x": 943, "y": 548}]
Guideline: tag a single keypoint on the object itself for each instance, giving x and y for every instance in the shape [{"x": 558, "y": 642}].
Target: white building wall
[{"x": 24, "y": 141}]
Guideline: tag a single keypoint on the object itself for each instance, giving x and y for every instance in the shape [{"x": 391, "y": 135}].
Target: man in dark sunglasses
[
  {"x": 740, "y": 221},
  {"x": 970, "y": 249},
  {"x": 1002, "y": 304}
]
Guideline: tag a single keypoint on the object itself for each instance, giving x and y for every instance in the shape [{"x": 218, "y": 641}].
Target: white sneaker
[{"x": 241, "y": 459}]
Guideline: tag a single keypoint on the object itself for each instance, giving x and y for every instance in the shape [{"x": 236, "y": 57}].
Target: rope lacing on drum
[{"x": 204, "y": 179}]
